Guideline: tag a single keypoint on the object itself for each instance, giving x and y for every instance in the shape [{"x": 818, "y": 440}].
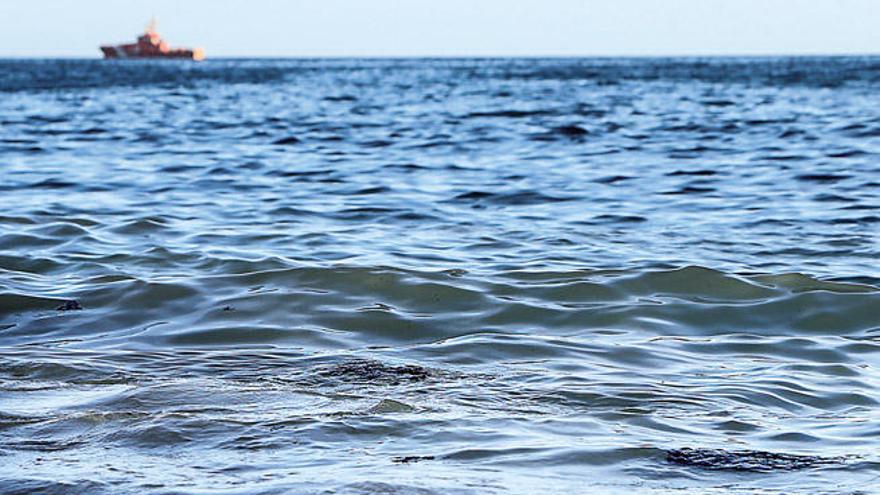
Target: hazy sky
[{"x": 447, "y": 27}]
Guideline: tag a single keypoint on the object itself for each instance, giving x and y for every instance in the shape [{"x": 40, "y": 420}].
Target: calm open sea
[{"x": 655, "y": 276}]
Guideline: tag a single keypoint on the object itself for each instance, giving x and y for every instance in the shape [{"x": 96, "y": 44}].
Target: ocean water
[{"x": 651, "y": 276}]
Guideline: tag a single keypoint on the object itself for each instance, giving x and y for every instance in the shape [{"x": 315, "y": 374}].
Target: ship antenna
[{"x": 151, "y": 27}]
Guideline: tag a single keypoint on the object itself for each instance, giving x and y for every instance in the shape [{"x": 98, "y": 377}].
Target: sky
[{"x": 381, "y": 28}]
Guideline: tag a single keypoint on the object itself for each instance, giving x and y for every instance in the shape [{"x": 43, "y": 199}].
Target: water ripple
[{"x": 361, "y": 276}]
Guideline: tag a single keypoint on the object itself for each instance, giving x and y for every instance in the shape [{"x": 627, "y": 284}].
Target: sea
[{"x": 440, "y": 276}]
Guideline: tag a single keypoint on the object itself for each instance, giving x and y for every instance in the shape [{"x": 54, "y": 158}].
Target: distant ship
[{"x": 151, "y": 45}]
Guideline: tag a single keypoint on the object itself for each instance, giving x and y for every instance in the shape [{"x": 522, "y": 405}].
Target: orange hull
[
  {"x": 126, "y": 51},
  {"x": 151, "y": 45}
]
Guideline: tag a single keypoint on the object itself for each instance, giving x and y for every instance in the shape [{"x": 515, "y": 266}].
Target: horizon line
[{"x": 474, "y": 57}]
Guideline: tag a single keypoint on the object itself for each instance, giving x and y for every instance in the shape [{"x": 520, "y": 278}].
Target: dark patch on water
[
  {"x": 510, "y": 114},
  {"x": 698, "y": 173},
  {"x": 71, "y": 305},
  {"x": 833, "y": 198},
  {"x": 522, "y": 198},
  {"x": 566, "y": 132},
  {"x": 287, "y": 141},
  {"x": 371, "y": 190},
  {"x": 862, "y": 130},
  {"x": 747, "y": 460},
  {"x": 571, "y": 131},
  {"x": 846, "y": 153},
  {"x": 619, "y": 219},
  {"x": 475, "y": 195},
  {"x": 52, "y": 184},
  {"x": 612, "y": 179},
  {"x": 859, "y": 220},
  {"x": 178, "y": 169},
  {"x": 822, "y": 177},
  {"x": 341, "y": 98},
  {"x": 792, "y": 132},
  {"x": 376, "y": 373},
  {"x": 411, "y": 459},
  {"x": 406, "y": 167},
  {"x": 691, "y": 190},
  {"x": 718, "y": 103}
]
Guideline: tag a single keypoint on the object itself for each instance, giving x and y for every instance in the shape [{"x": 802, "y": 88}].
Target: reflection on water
[{"x": 456, "y": 276}]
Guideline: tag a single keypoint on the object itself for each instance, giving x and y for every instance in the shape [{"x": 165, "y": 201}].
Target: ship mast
[{"x": 151, "y": 27}]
